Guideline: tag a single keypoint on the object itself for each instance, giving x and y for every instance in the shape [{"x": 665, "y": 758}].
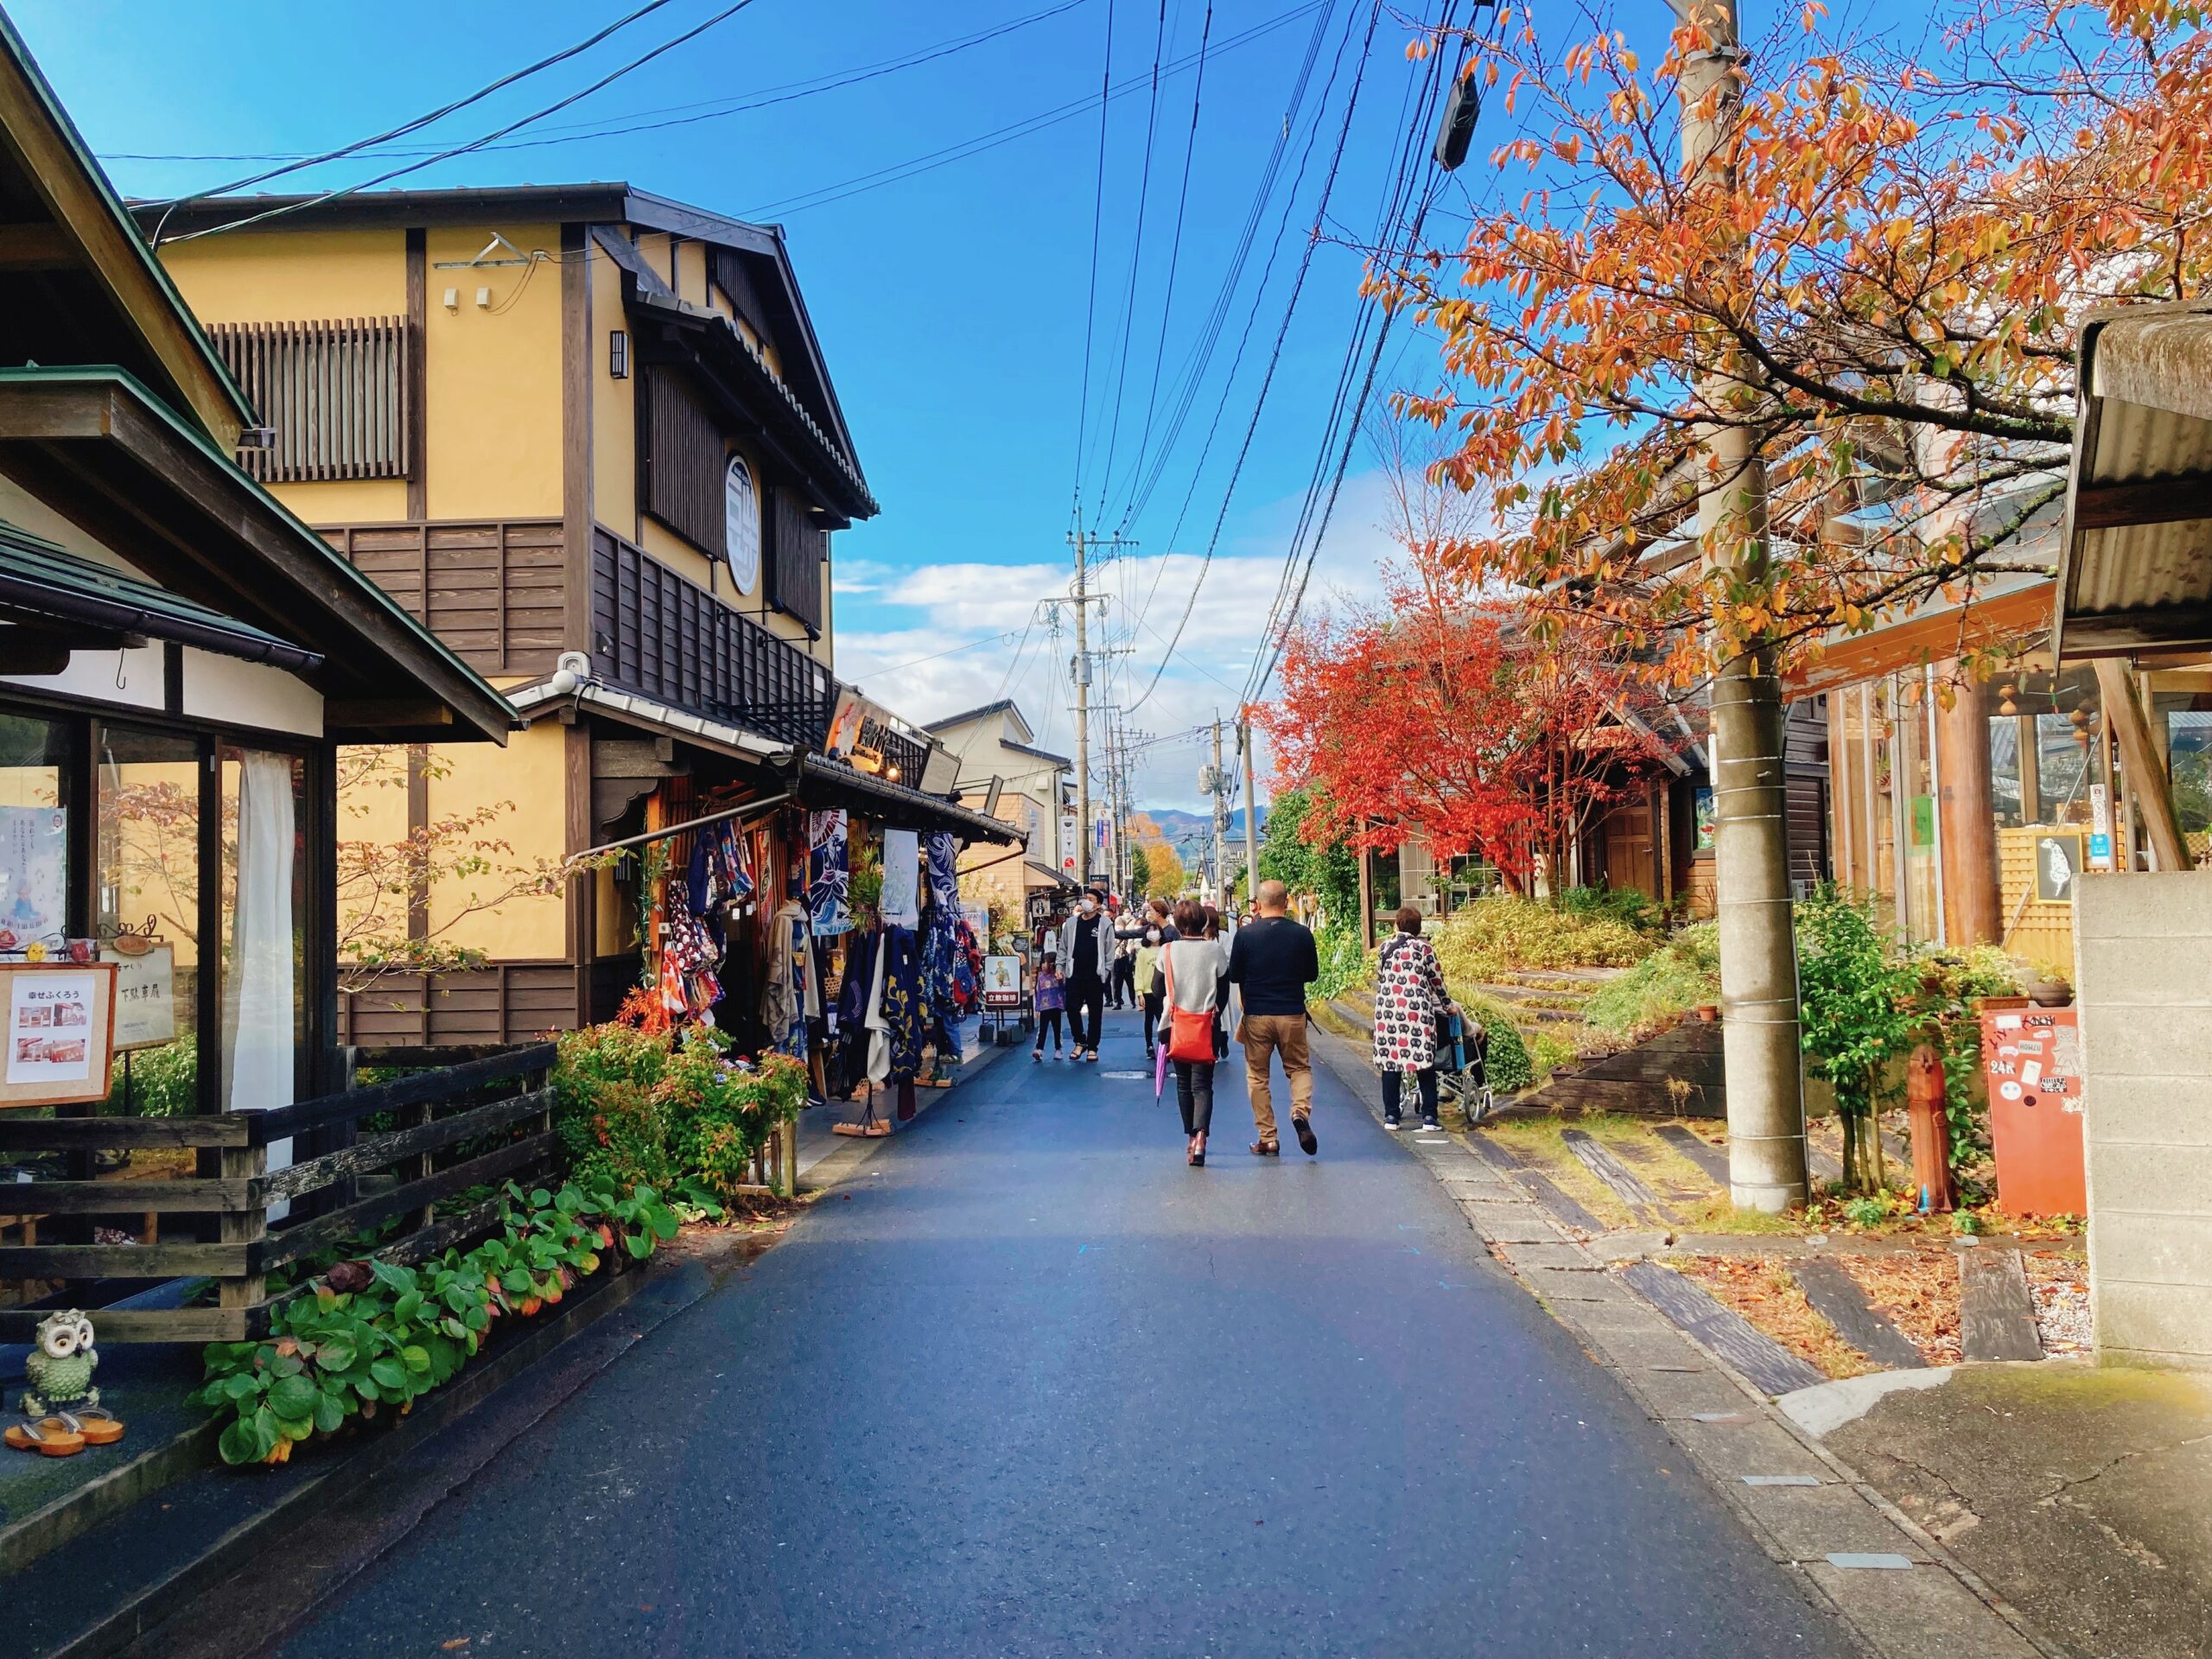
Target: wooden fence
[{"x": 481, "y": 1122}]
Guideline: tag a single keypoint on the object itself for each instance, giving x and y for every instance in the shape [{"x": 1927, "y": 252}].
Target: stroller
[{"x": 1463, "y": 1065}]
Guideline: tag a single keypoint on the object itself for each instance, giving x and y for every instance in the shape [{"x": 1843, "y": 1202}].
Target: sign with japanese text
[
  {"x": 145, "y": 995},
  {"x": 1001, "y": 982},
  {"x": 60, "y": 1032}
]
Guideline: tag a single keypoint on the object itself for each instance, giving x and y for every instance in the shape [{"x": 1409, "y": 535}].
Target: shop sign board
[
  {"x": 1070, "y": 844},
  {"x": 2058, "y": 861},
  {"x": 2100, "y": 827},
  {"x": 33, "y": 875},
  {"x": 1001, "y": 982},
  {"x": 60, "y": 1032},
  {"x": 145, "y": 993}
]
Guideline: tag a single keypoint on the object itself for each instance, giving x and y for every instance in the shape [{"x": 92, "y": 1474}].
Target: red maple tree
[{"x": 1456, "y": 724}]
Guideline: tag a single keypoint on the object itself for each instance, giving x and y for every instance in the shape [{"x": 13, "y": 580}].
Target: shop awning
[
  {"x": 650, "y": 714},
  {"x": 830, "y": 783},
  {"x": 2135, "y": 570},
  {"x": 52, "y": 593},
  {"x": 98, "y": 449},
  {"x": 2008, "y": 607},
  {"x": 1041, "y": 874}
]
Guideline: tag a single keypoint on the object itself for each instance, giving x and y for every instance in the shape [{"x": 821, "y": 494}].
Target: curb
[{"x": 1819, "y": 1523}]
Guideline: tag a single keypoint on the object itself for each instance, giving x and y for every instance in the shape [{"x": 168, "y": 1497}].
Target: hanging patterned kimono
[
  {"x": 793, "y": 994},
  {"x": 828, "y": 873},
  {"x": 945, "y": 870},
  {"x": 897, "y": 1016},
  {"x": 689, "y": 952}
]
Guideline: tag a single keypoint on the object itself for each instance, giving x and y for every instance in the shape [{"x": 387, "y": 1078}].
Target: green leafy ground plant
[{"x": 369, "y": 1338}]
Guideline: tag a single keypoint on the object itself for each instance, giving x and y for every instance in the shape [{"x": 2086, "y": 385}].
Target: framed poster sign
[
  {"x": 1001, "y": 982},
  {"x": 145, "y": 992},
  {"x": 2058, "y": 861},
  {"x": 60, "y": 1034}
]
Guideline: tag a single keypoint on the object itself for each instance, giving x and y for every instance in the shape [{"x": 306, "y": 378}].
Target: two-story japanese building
[{"x": 588, "y": 436}]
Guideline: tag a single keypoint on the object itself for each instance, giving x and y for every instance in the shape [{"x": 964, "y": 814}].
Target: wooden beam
[
  {"x": 36, "y": 246},
  {"x": 382, "y": 713},
  {"x": 2143, "y": 501},
  {"x": 2146, "y": 776}
]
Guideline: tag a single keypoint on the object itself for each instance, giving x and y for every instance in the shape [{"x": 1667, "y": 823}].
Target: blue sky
[{"x": 951, "y": 304}]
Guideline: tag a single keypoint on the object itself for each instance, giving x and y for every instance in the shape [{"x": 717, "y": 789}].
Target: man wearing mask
[
  {"x": 1272, "y": 960},
  {"x": 1086, "y": 956}
]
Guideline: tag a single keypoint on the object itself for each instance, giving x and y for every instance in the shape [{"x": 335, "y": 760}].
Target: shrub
[
  {"x": 1681, "y": 975},
  {"x": 371, "y": 1335},
  {"x": 1951, "y": 981},
  {"x": 1501, "y": 934},
  {"x": 1344, "y": 965},
  {"x": 1510, "y": 1068},
  {"x": 164, "y": 1081}
]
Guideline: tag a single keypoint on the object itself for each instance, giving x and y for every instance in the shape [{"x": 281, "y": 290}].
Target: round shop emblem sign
[{"x": 742, "y": 524}]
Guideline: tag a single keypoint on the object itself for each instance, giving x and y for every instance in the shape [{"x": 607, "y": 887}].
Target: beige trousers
[{"x": 1268, "y": 1034}]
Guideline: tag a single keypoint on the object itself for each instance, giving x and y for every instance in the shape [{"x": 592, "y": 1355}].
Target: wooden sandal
[
  {"x": 99, "y": 1431},
  {"x": 49, "y": 1437}
]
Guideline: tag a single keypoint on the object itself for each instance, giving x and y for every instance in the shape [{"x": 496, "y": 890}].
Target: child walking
[{"x": 1051, "y": 1006}]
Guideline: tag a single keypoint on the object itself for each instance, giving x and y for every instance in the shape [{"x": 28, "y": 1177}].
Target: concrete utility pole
[
  {"x": 1081, "y": 715},
  {"x": 1763, "y": 1055},
  {"x": 1251, "y": 814},
  {"x": 1220, "y": 822}
]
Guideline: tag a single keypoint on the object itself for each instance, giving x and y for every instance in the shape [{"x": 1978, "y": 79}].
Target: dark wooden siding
[
  {"x": 682, "y": 457},
  {"x": 795, "y": 550},
  {"x": 492, "y": 592},
  {"x": 1805, "y": 781},
  {"x": 657, "y": 633},
  {"x": 726, "y": 267},
  {"x": 504, "y": 1002}
]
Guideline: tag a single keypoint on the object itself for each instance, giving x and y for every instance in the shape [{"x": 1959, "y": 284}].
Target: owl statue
[{"x": 61, "y": 1408}]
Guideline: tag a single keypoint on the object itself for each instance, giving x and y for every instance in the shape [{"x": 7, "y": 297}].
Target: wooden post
[
  {"x": 1967, "y": 820},
  {"x": 242, "y": 1227},
  {"x": 788, "y": 1138},
  {"x": 2145, "y": 777}
]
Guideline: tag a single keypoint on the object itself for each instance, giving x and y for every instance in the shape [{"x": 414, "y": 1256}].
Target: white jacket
[{"x": 1104, "y": 951}]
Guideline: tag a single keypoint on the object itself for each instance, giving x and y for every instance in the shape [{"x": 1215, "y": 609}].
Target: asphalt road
[{"x": 1031, "y": 1386}]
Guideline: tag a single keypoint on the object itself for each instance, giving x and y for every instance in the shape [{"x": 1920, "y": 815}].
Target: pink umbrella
[{"x": 1160, "y": 1074}]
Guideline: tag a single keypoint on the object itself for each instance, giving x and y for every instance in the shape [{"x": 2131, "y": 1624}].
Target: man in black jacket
[{"x": 1272, "y": 960}]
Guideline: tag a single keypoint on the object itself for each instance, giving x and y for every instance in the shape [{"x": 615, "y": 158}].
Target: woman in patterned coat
[{"x": 1409, "y": 996}]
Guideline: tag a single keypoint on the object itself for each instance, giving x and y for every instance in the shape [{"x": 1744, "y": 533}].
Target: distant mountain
[{"x": 1191, "y": 834}]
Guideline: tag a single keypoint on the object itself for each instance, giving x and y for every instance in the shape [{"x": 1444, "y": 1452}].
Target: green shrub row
[{"x": 368, "y": 1336}]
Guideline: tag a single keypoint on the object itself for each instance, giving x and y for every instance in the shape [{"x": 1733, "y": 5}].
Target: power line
[
  {"x": 1274, "y": 356},
  {"x": 897, "y": 172},
  {"x": 1174, "y": 262},
  {"x": 1136, "y": 259},
  {"x": 605, "y": 80},
  {"x": 1098, "y": 223},
  {"x": 613, "y": 126},
  {"x": 294, "y": 164}
]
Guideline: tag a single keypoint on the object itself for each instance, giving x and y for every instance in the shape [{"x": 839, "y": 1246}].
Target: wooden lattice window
[{"x": 336, "y": 394}]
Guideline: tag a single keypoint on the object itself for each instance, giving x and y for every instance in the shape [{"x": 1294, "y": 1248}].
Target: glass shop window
[
  {"x": 35, "y": 755},
  {"x": 147, "y": 915},
  {"x": 264, "y": 1004}
]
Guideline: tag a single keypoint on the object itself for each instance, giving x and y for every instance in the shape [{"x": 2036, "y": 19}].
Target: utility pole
[
  {"x": 1220, "y": 820},
  {"x": 1082, "y": 714},
  {"x": 1763, "y": 1055},
  {"x": 1251, "y": 814}
]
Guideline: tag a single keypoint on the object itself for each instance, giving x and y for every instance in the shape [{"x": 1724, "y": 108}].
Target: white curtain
[{"x": 259, "y": 995}]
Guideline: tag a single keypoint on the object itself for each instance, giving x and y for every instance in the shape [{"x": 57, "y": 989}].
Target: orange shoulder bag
[{"x": 1189, "y": 1036}]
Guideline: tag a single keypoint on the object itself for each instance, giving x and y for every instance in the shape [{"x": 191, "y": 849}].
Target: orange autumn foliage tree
[
  {"x": 1876, "y": 278},
  {"x": 1456, "y": 726}
]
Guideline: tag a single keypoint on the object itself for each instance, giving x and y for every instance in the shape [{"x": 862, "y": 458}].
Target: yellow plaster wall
[
  {"x": 691, "y": 272},
  {"x": 687, "y": 560},
  {"x": 528, "y": 774},
  {"x": 292, "y": 276},
  {"x": 614, "y": 407},
  {"x": 492, "y": 379}
]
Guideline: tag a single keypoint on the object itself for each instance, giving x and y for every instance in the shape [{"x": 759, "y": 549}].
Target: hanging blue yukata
[{"x": 828, "y": 874}]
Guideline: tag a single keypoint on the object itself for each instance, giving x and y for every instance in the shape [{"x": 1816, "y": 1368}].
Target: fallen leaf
[{"x": 458, "y": 1642}]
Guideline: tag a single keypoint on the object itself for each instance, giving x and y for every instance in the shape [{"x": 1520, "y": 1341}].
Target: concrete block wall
[{"x": 2143, "y": 979}]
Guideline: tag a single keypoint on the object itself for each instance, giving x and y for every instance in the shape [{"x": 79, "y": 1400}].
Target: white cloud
[{"x": 896, "y": 641}]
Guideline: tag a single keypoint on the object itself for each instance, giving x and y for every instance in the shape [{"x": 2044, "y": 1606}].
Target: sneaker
[
  {"x": 1036, "y": 1055},
  {"x": 1393, "y": 1123},
  {"x": 1431, "y": 1123}
]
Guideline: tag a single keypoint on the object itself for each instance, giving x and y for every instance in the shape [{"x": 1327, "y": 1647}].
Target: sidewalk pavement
[
  {"x": 2083, "y": 1494},
  {"x": 1901, "y": 1592}
]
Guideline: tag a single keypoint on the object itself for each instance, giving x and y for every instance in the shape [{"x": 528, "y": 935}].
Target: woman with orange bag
[{"x": 1190, "y": 967}]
